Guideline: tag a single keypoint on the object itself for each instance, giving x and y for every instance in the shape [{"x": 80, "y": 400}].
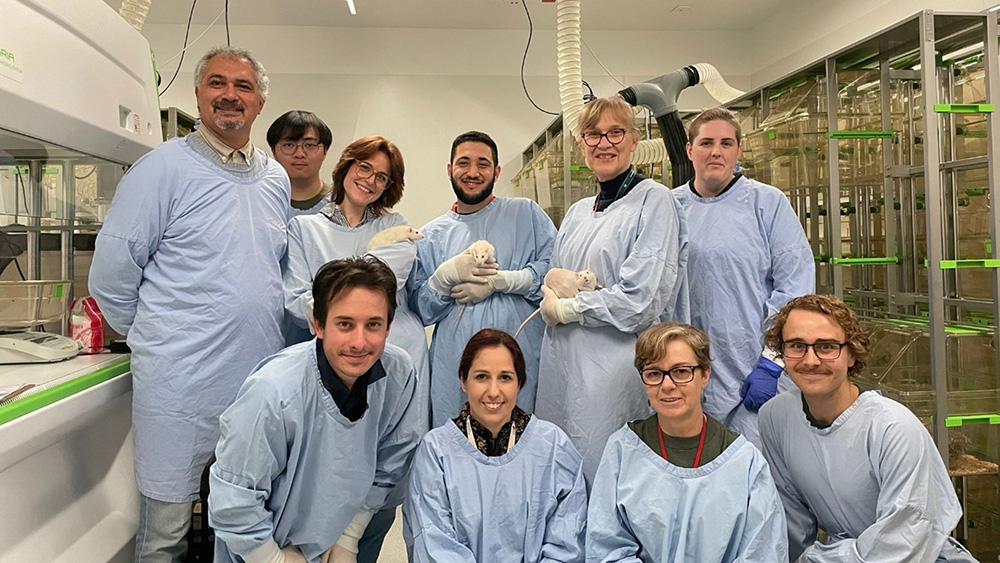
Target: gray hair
[{"x": 263, "y": 82}]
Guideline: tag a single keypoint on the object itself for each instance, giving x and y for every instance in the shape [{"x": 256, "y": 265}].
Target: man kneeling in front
[
  {"x": 858, "y": 464},
  {"x": 321, "y": 431}
]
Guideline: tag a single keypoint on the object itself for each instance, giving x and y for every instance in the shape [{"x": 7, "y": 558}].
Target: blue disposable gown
[
  {"x": 748, "y": 256},
  {"x": 637, "y": 247},
  {"x": 528, "y": 505},
  {"x": 187, "y": 266},
  {"x": 643, "y": 508},
  {"x": 873, "y": 480},
  {"x": 291, "y": 467},
  {"x": 522, "y": 235},
  {"x": 314, "y": 240}
]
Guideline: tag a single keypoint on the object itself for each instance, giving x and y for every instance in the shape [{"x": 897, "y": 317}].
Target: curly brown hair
[
  {"x": 363, "y": 149},
  {"x": 854, "y": 333}
]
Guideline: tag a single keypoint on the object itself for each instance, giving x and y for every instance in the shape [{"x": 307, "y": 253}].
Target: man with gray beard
[{"x": 187, "y": 267}]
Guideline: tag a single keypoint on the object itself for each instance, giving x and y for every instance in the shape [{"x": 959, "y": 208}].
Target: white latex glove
[
  {"x": 310, "y": 319},
  {"x": 458, "y": 269},
  {"x": 562, "y": 282},
  {"x": 339, "y": 554},
  {"x": 469, "y": 293},
  {"x": 556, "y": 310},
  {"x": 291, "y": 554},
  {"x": 513, "y": 281}
]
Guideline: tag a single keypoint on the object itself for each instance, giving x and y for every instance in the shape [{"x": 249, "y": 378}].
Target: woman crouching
[{"x": 679, "y": 486}]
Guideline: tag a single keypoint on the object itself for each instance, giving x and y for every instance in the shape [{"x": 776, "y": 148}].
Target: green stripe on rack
[
  {"x": 956, "y": 421},
  {"x": 860, "y": 134},
  {"x": 45, "y": 398},
  {"x": 964, "y": 108},
  {"x": 865, "y": 260},
  {"x": 970, "y": 263}
]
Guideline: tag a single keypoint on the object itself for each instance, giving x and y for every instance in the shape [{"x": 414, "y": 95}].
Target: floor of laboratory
[{"x": 394, "y": 550}]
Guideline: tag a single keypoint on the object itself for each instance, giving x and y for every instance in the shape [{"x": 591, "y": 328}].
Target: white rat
[
  {"x": 565, "y": 283},
  {"x": 392, "y": 235},
  {"x": 483, "y": 253}
]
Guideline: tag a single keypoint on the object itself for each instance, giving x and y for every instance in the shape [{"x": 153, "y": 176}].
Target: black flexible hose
[{"x": 675, "y": 139}]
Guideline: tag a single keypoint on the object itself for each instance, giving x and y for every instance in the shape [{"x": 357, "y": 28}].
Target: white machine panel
[{"x": 75, "y": 74}]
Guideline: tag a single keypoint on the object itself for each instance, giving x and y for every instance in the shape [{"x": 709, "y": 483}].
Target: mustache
[
  {"x": 813, "y": 371},
  {"x": 234, "y": 105}
]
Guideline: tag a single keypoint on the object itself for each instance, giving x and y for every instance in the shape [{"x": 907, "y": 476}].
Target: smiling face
[
  {"x": 818, "y": 379},
  {"x": 473, "y": 172},
  {"x": 354, "y": 334},
  {"x": 608, "y": 160},
  {"x": 228, "y": 99},
  {"x": 302, "y": 164},
  {"x": 677, "y": 405},
  {"x": 491, "y": 385},
  {"x": 359, "y": 192},
  {"x": 714, "y": 154}
]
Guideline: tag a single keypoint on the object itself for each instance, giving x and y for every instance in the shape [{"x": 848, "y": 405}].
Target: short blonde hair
[
  {"x": 714, "y": 114},
  {"x": 616, "y": 108},
  {"x": 652, "y": 344}
]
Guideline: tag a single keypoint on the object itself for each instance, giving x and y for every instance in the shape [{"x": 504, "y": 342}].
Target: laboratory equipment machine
[{"x": 78, "y": 93}]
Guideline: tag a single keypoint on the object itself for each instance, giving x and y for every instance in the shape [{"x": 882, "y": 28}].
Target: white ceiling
[{"x": 648, "y": 15}]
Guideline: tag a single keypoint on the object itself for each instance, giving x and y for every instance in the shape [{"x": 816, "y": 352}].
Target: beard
[
  {"x": 472, "y": 199},
  {"x": 229, "y": 124}
]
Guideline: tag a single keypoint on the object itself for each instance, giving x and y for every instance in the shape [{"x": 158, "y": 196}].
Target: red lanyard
[{"x": 701, "y": 442}]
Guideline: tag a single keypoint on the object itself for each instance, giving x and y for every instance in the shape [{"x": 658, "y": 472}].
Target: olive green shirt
[{"x": 681, "y": 451}]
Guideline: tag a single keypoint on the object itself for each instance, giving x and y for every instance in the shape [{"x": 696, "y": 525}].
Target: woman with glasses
[
  {"x": 367, "y": 182},
  {"x": 495, "y": 483},
  {"x": 632, "y": 236},
  {"x": 679, "y": 486}
]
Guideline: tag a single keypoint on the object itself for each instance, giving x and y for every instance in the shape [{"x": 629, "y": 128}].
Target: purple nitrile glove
[{"x": 760, "y": 385}]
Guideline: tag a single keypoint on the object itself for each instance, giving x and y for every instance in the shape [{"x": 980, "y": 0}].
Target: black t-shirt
[{"x": 352, "y": 402}]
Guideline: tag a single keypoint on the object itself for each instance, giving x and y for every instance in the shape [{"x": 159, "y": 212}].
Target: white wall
[
  {"x": 420, "y": 88},
  {"x": 808, "y": 30}
]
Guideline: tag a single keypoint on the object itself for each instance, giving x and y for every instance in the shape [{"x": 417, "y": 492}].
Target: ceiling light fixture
[{"x": 350, "y": 6}]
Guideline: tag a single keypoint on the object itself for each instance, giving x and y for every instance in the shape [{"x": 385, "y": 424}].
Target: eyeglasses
[
  {"x": 288, "y": 148},
  {"x": 593, "y": 138},
  {"x": 679, "y": 375},
  {"x": 365, "y": 171},
  {"x": 824, "y": 350}
]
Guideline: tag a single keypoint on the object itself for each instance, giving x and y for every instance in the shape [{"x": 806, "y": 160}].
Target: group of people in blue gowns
[{"x": 607, "y": 429}]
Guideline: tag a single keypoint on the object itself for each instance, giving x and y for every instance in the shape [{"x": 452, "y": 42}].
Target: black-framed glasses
[
  {"x": 679, "y": 375},
  {"x": 614, "y": 136},
  {"x": 365, "y": 171},
  {"x": 288, "y": 148},
  {"x": 824, "y": 350}
]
